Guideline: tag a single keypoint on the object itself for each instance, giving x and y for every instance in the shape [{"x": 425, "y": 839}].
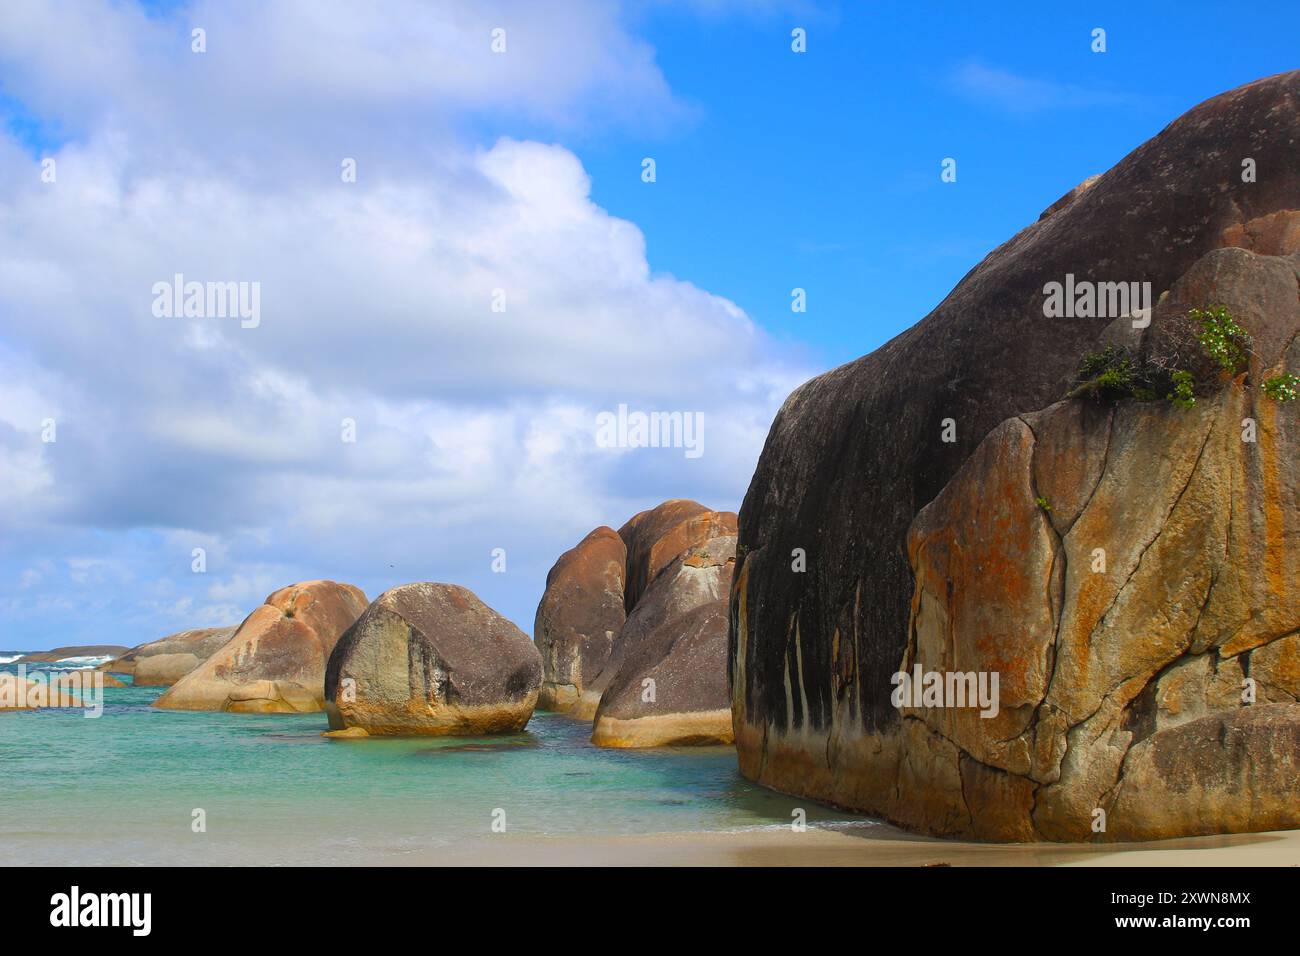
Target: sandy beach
[{"x": 866, "y": 845}]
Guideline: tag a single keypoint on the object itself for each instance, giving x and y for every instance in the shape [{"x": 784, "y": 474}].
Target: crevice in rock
[
  {"x": 1058, "y": 554},
  {"x": 1137, "y": 566},
  {"x": 1101, "y": 474}
]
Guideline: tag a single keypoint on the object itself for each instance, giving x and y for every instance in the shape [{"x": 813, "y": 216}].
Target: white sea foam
[
  {"x": 10, "y": 660},
  {"x": 85, "y": 661}
]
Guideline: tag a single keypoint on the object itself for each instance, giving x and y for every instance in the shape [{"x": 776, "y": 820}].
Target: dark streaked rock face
[
  {"x": 855, "y": 454},
  {"x": 579, "y": 617},
  {"x": 275, "y": 661},
  {"x": 433, "y": 659}
]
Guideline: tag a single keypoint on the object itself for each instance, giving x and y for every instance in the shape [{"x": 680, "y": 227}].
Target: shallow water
[{"x": 121, "y": 789}]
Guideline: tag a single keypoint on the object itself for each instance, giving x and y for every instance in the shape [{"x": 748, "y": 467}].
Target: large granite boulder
[
  {"x": 655, "y": 538},
  {"x": 275, "y": 661},
  {"x": 1114, "y": 681},
  {"x": 163, "y": 662},
  {"x": 431, "y": 659},
  {"x": 579, "y": 616},
  {"x": 632, "y": 628},
  {"x": 668, "y": 677}
]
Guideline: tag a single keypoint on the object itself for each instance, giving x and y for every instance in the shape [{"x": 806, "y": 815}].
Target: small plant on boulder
[
  {"x": 1115, "y": 373},
  {"x": 1222, "y": 338},
  {"x": 1282, "y": 388},
  {"x": 1184, "y": 361},
  {"x": 1184, "y": 390}
]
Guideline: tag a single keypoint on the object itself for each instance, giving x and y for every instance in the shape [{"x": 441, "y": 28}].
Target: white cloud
[
  {"x": 1023, "y": 94},
  {"x": 475, "y": 428}
]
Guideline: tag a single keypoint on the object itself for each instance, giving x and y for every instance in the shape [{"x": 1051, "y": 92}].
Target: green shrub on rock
[
  {"x": 1282, "y": 388},
  {"x": 1222, "y": 338}
]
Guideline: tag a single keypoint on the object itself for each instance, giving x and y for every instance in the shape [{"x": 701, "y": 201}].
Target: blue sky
[
  {"x": 821, "y": 170},
  {"x": 775, "y": 170}
]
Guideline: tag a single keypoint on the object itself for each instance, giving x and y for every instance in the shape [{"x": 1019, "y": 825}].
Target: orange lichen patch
[
  {"x": 1276, "y": 666},
  {"x": 1277, "y": 234},
  {"x": 682, "y": 536}
]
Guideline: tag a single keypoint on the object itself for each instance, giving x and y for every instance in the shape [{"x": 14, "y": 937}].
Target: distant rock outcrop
[
  {"x": 275, "y": 661},
  {"x": 75, "y": 653},
  {"x": 431, "y": 659},
  {"x": 1125, "y": 566},
  {"x": 163, "y": 662},
  {"x": 659, "y": 676}
]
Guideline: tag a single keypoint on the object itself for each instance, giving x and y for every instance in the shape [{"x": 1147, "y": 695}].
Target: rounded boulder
[{"x": 432, "y": 659}]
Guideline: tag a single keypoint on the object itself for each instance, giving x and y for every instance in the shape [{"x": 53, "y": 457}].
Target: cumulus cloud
[{"x": 464, "y": 307}]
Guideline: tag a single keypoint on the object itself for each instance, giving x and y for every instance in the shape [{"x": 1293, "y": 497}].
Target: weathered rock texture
[
  {"x": 669, "y": 676},
  {"x": 163, "y": 662},
  {"x": 579, "y": 616},
  {"x": 275, "y": 661},
  {"x": 432, "y": 659},
  {"x": 1121, "y": 690},
  {"x": 632, "y": 628}
]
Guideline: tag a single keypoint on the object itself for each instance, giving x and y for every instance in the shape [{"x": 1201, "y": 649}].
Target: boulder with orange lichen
[
  {"x": 275, "y": 661},
  {"x": 1126, "y": 567}
]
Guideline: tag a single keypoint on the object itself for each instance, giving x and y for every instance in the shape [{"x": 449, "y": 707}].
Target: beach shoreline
[{"x": 853, "y": 845}]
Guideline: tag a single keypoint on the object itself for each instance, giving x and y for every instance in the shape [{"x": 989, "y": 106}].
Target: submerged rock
[
  {"x": 1122, "y": 567},
  {"x": 432, "y": 659},
  {"x": 275, "y": 661}
]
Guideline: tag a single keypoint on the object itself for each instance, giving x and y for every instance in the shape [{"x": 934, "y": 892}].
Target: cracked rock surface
[{"x": 1122, "y": 676}]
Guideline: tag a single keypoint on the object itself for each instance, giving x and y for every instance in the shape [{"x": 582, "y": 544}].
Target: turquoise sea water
[{"x": 121, "y": 789}]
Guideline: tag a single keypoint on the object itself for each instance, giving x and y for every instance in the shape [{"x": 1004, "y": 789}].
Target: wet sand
[{"x": 853, "y": 846}]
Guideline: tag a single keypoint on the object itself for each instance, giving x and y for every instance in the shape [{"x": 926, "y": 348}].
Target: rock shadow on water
[{"x": 505, "y": 744}]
